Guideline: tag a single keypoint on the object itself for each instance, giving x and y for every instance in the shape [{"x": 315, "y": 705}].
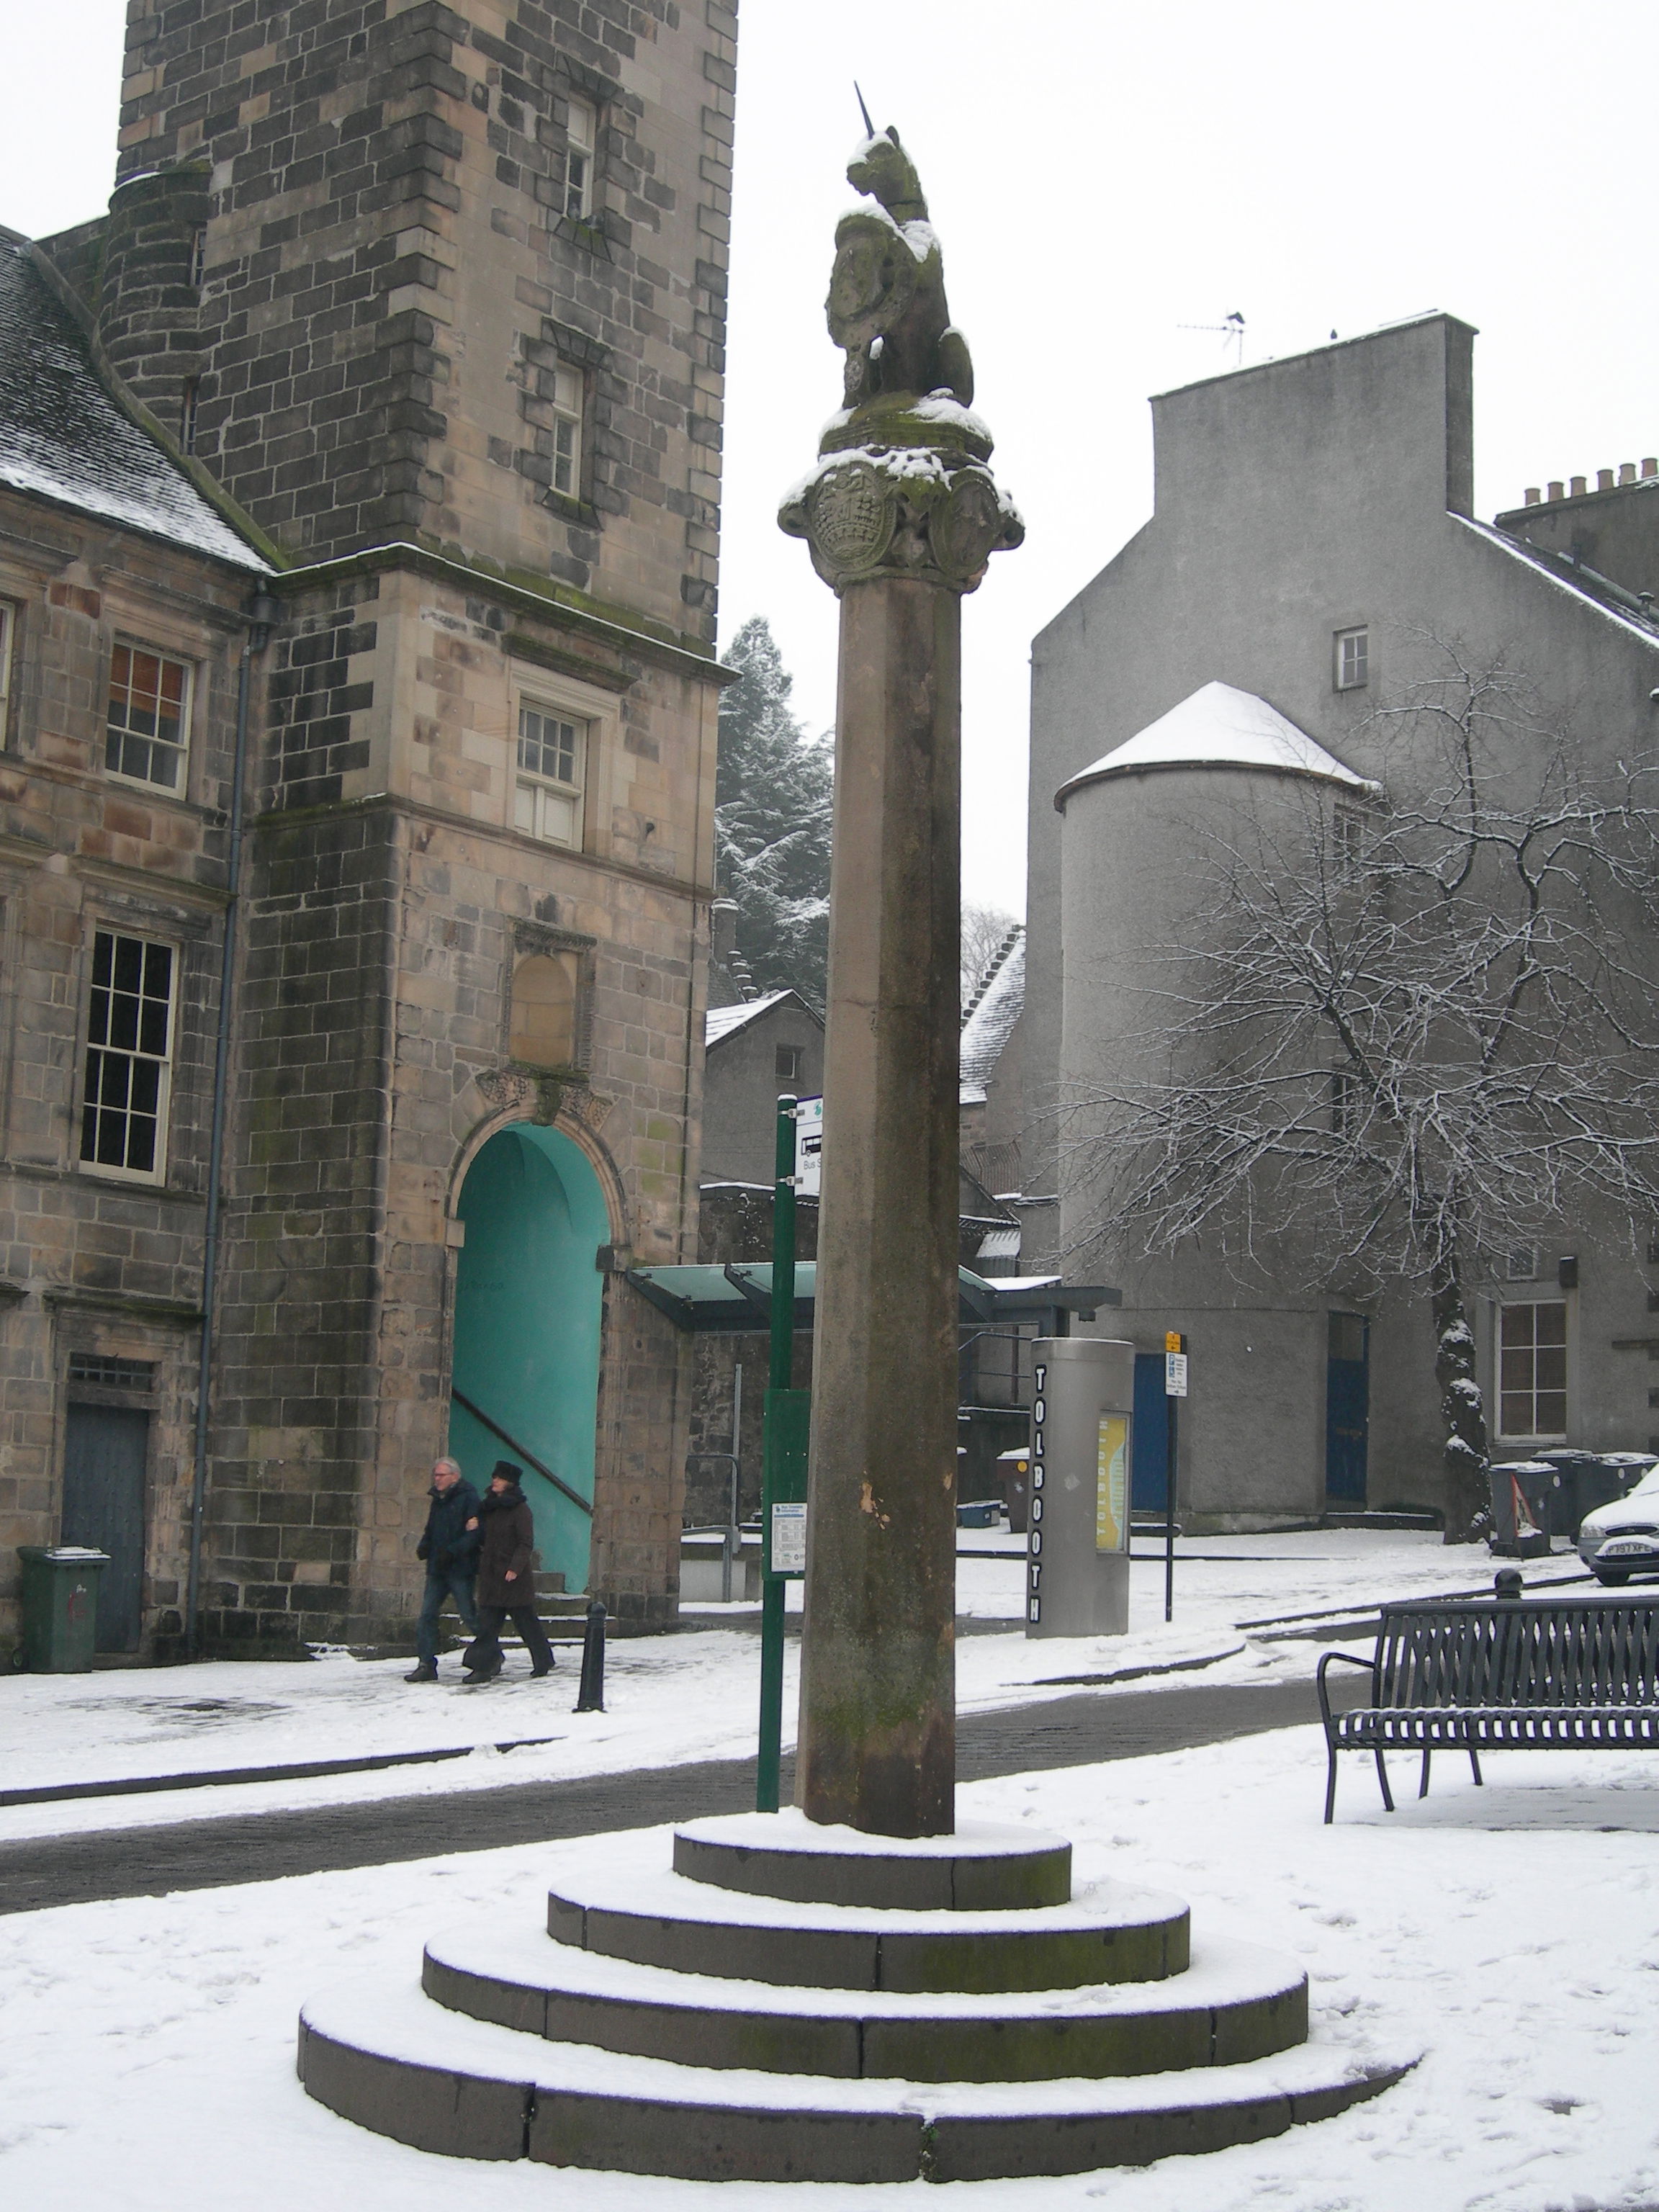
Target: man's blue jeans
[{"x": 446, "y": 1582}]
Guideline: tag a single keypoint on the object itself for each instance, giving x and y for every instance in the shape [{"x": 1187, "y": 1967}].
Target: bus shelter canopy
[{"x": 739, "y": 1297}]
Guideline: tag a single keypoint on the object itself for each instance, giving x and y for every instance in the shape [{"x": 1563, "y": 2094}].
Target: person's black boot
[
  {"x": 426, "y": 1670},
  {"x": 475, "y": 1676}
]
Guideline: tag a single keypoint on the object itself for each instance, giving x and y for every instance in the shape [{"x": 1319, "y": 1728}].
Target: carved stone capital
[
  {"x": 911, "y": 511},
  {"x": 542, "y": 1099}
]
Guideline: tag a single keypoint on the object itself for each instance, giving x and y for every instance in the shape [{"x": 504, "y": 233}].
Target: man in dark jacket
[
  {"x": 450, "y": 1548},
  {"x": 507, "y": 1580}
]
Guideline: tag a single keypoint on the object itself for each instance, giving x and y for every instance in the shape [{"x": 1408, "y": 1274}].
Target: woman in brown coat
[{"x": 507, "y": 1581}]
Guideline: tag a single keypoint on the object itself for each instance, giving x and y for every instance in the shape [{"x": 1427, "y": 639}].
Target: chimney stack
[{"x": 1557, "y": 491}]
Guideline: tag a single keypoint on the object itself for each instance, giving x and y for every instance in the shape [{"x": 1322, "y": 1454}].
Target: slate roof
[
  {"x": 1634, "y": 610},
  {"x": 63, "y": 438},
  {"x": 721, "y": 1021},
  {"x": 989, "y": 1026}
]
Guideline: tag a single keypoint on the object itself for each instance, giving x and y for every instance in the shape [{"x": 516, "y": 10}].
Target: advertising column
[{"x": 1076, "y": 1570}]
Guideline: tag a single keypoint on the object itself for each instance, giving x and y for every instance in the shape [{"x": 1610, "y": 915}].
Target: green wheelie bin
[{"x": 60, "y": 1606}]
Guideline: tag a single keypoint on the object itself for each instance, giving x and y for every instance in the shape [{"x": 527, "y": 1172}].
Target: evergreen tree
[{"x": 773, "y": 793}]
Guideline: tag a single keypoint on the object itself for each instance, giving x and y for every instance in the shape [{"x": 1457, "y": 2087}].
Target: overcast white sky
[{"x": 1102, "y": 176}]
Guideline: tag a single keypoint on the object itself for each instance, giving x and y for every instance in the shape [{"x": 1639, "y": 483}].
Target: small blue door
[
  {"x": 1348, "y": 1408},
  {"x": 1150, "y": 1448}
]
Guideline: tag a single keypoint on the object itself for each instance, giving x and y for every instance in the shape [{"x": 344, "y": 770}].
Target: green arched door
[{"x": 527, "y": 1307}]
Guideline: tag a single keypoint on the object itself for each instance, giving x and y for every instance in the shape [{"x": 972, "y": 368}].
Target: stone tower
[{"x": 432, "y": 300}]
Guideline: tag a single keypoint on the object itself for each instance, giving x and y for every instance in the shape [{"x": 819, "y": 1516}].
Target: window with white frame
[
  {"x": 1532, "y": 1368},
  {"x": 129, "y": 1054},
  {"x": 1346, "y": 837},
  {"x": 582, "y": 135},
  {"x": 568, "y": 430},
  {"x": 1353, "y": 658},
  {"x": 147, "y": 728},
  {"x": 552, "y": 766}
]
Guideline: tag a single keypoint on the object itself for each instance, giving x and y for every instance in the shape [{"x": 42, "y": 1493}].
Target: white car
[{"x": 1622, "y": 1540}]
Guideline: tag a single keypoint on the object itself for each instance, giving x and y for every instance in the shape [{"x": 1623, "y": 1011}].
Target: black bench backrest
[{"x": 1482, "y": 1651}]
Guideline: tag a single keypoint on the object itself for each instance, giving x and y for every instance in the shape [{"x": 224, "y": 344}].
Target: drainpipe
[{"x": 264, "y": 613}]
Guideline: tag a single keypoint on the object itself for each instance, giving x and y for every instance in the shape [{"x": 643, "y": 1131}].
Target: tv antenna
[{"x": 1230, "y": 332}]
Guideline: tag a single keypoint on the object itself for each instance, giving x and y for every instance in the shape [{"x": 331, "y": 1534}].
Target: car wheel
[{"x": 1612, "y": 1576}]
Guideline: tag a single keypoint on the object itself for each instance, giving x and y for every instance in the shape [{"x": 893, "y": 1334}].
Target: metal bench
[{"x": 1507, "y": 1672}]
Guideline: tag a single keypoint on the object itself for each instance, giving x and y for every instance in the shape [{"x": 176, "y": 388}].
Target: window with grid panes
[
  {"x": 581, "y": 132},
  {"x": 129, "y": 1054},
  {"x": 1532, "y": 1370},
  {"x": 146, "y": 731},
  {"x": 1353, "y": 656},
  {"x": 568, "y": 431},
  {"x": 552, "y": 758}
]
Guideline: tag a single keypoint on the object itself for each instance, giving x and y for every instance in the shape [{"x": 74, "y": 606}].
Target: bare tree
[
  {"x": 1405, "y": 1028},
  {"x": 984, "y": 930}
]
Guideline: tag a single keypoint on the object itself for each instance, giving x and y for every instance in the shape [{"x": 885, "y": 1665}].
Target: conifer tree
[{"x": 772, "y": 814}]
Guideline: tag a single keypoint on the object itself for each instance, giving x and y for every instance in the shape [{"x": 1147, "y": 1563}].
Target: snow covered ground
[
  {"x": 685, "y": 1697},
  {"x": 1512, "y": 1934}
]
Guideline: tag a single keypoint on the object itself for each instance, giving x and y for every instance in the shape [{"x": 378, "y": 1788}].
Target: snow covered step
[
  {"x": 1236, "y": 2002},
  {"x": 983, "y": 1866},
  {"x": 385, "y": 2056},
  {"x": 613, "y": 1894}
]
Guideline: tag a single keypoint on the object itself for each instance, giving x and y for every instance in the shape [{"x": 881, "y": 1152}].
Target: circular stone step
[
  {"x": 1236, "y": 2003},
  {"x": 378, "y": 2052},
  {"x": 612, "y": 1894},
  {"x": 982, "y": 1868}
]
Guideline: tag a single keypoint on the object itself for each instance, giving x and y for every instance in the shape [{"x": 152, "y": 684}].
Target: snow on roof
[
  {"x": 999, "y": 1244},
  {"x": 63, "y": 438},
  {"x": 988, "y": 1028},
  {"x": 1219, "y": 726},
  {"x": 721, "y": 1021},
  {"x": 1561, "y": 570}
]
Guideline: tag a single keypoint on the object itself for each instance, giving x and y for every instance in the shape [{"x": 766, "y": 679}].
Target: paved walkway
[{"x": 146, "y": 1861}]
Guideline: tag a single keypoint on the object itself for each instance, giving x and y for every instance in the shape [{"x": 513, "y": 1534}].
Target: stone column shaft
[{"x": 878, "y": 1719}]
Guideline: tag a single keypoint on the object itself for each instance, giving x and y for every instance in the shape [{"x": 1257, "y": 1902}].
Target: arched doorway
[{"x": 526, "y": 1346}]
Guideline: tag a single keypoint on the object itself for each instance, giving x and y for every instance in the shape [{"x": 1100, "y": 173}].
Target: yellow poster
[{"x": 1112, "y": 1484}]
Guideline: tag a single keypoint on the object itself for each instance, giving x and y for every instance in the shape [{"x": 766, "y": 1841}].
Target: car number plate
[{"x": 1623, "y": 1551}]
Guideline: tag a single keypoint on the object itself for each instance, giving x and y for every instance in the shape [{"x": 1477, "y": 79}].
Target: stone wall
[
  {"x": 391, "y": 283},
  {"x": 390, "y": 292},
  {"x": 95, "y": 1268}
]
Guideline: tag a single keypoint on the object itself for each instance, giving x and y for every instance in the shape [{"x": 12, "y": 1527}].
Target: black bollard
[
  {"x": 590, "y": 1699},
  {"x": 1507, "y": 1583}
]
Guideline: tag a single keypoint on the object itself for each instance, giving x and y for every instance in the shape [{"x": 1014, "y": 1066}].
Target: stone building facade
[
  {"x": 1313, "y": 549},
  {"x": 423, "y": 307}
]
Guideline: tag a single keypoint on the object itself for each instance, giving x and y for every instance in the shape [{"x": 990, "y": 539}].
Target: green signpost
[{"x": 783, "y": 1479}]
